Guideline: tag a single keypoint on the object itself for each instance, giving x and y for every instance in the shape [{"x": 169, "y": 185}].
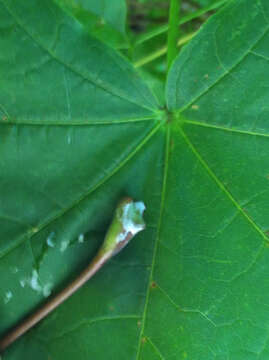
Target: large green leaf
[
  {"x": 220, "y": 158},
  {"x": 79, "y": 130}
]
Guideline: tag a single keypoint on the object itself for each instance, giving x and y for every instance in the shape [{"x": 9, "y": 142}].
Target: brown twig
[
  {"x": 126, "y": 223},
  {"x": 42, "y": 312}
]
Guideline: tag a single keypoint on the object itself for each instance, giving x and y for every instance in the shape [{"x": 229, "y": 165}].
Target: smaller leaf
[{"x": 105, "y": 20}]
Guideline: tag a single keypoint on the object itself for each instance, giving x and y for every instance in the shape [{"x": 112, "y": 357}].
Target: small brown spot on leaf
[
  {"x": 143, "y": 340},
  {"x": 206, "y": 76},
  {"x": 111, "y": 308},
  {"x": 4, "y": 118},
  {"x": 267, "y": 176},
  {"x": 139, "y": 324},
  {"x": 195, "y": 107},
  {"x": 153, "y": 285}
]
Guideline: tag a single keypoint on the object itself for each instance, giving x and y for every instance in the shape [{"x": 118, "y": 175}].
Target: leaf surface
[
  {"x": 104, "y": 19},
  {"x": 80, "y": 130},
  {"x": 220, "y": 159}
]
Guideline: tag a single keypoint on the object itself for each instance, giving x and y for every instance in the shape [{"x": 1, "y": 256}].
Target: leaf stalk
[{"x": 173, "y": 32}]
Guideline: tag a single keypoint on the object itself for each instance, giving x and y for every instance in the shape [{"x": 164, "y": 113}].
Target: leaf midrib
[
  {"x": 68, "y": 123},
  {"x": 166, "y": 164}
]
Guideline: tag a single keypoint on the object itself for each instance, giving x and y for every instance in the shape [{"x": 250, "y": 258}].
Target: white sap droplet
[
  {"x": 47, "y": 289},
  {"x": 8, "y": 296},
  {"x": 50, "y": 239},
  {"x": 64, "y": 245},
  {"x": 34, "y": 282},
  {"x": 81, "y": 238}
]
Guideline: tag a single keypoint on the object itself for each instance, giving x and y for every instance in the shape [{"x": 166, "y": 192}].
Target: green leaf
[
  {"x": 205, "y": 2},
  {"x": 161, "y": 29},
  {"x": 80, "y": 130},
  {"x": 103, "y": 19},
  {"x": 217, "y": 87}
]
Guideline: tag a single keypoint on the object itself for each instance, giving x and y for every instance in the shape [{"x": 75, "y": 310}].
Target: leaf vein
[
  {"x": 82, "y": 123},
  {"x": 93, "y": 321},
  {"x": 184, "y": 310},
  {"x": 221, "y": 185},
  {"x": 85, "y": 195},
  {"x": 156, "y": 241},
  {"x": 225, "y": 73},
  {"x": 104, "y": 86},
  {"x": 157, "y": 351},
  {"x": 223, "y": 128}
]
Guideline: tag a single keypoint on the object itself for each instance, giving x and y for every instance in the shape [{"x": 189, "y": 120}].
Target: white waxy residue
[
  {"x": 128, "y": 222},
  {"x": 47, "y": 289},
  {"x": 81, "y": 238},
  {"x": 36, "y": 285},
  {"x": 64, "y": 245},
  {"x": 50, "y": 241},
  {"x": 8, "y": 297},
  {"x": 34, "y": 282}
]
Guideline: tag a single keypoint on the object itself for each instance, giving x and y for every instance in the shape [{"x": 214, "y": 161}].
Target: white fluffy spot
[
  {"x": 68, "y": 139},
  {"x": 47, "y": 289},
  {"x": 128, "y": 222},
  {"x": 140, "y": 206},
  {"x": 34, "y": 282},
  {"x": 64, "y": 245},
  {"x": 8, "y": 297},
  {"x": 81, "y": 238},
  {"x": 50, "y": 239}
]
